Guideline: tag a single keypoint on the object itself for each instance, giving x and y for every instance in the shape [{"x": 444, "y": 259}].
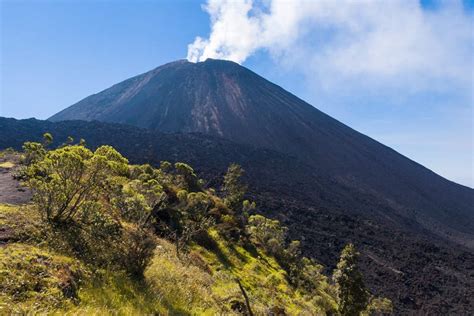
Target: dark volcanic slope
[
  {"x": 224, "y": 99},
  {"x": 421, "y": 274}
]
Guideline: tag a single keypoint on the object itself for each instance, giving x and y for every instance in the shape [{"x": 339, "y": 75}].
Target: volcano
[
  {"x": 221, "y": 98},
  {"x": 329, "y": 184}
]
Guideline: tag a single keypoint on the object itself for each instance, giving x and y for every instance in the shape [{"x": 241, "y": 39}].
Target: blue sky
[{"x": 398, "y": 71}]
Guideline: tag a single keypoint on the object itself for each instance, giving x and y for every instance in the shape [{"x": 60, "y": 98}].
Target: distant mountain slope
[
  {"x": 224, "y": 99},
  {"x": 420, "y": 273}
]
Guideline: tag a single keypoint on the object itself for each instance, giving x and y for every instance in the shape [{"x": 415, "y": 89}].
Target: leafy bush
[
  {"x": 32, "y": 152},
  {"x": 68, "y": 179},
  {"x": 187, "y": 178},
  {"x": 267, "y": 233},
  {"x": 72, "y": 189},
  {"x": 136, "y": 199}
]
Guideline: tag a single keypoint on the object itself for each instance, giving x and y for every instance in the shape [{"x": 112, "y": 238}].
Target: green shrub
[
  {"x": 187, "y": 179},
  {"x": 32, "y": 153},
  {"x": 267, "y": 233},
  {"x": 66, "y": 179},
  {"x": 77, "y": 191}
]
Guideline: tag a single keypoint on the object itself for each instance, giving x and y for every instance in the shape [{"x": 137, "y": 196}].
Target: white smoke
[{"x": 344, "y": 38}]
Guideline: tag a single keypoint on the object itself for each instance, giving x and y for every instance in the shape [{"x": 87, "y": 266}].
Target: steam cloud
[{"x": 381, "y": 39}]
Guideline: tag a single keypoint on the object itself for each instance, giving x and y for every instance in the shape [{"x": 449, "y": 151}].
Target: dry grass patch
[{"x": 7, "y": 165}]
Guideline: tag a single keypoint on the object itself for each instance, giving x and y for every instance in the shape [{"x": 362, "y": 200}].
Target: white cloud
[{"x": 383, "y": 41}]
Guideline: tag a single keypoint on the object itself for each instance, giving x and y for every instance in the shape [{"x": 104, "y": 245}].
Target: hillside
[
  {"x": 115, "y": 238},
  {"x": 222, "y": 98},
  {"x": 421, "y": 272}
]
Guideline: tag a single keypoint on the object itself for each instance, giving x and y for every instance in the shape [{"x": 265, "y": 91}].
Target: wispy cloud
[{"x": 385, "y": 41}]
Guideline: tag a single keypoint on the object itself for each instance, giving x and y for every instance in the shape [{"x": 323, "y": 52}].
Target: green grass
[
  {"x": 116, "y": 294},
  {"x": 182, "y": 286},
  {"x": 20, "y": 223},
  {"x": 262, "y": 277},
  {"x": 198, "y": 283},
  {"x": 36, "y": 279}
]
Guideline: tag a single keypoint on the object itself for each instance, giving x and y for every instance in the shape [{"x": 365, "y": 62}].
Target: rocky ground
[{"x": 11, "y": 190}]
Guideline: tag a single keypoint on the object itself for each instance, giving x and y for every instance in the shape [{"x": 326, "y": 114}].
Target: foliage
[
  {"x": 71, "y": 188},
  {"x": 47, "y": 139},
  {"x": 186, "y": 177},
  {"x": 111, "y": 216},
  {"x": 137, "y": 198},
  {"x": 353, "y": 297},
  {"x": 305, "y": 273},
  {"x": 32, "y": 153},
  {"x": 267, "y": 233},
  {"x": 247, "y": 208},
  {"x": 68, "y": 181},
  {"x": 379, "y": 305},
  {"x": 264, "y": 280}
]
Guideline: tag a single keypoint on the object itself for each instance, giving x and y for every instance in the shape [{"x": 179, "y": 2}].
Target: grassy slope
[{"x": 35, "y": 278}]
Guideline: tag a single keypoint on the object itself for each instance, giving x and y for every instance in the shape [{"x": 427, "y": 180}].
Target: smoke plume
[{"x": 381, "y": 39}]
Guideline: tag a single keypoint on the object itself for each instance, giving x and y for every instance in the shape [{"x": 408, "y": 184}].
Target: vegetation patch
[
  {"x": 115, "y": 293},
  {"x": 180, "y": 284},
  {"x": 158, "y": 241},
  {"x": 262, "y": 277},
  {"x": 19, "y": 223},
  {"x": 36, "y": 280}
]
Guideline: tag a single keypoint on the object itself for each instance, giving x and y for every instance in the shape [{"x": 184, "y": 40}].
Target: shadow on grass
[
  {"x": 117, "y": 291},
  {"x": 254, "y": 253},
  {"x": 206, "y": 241}
]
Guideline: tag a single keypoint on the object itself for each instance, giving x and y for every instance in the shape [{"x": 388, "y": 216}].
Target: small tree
[
  {"x": 192, "y": 217},
  {"x": 233, "y": 188},
  {"x": 47, "y": 139},
  {"x": 101, "y": 214},
  {"x": 68, "y": 177},
  {"x": 190, "y": 230},
  {"x": 187, "y": 176},
  {"x": 307, "y": 274},
  {"x": 352, "y": 294},
  {"x": 136, "y": 200},
  {"x": 32, "y": 153},
  {"x": 267, "y": 233}
]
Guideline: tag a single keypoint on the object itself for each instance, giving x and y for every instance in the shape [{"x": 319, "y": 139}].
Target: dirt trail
[{"x": 11, "y": 191}]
